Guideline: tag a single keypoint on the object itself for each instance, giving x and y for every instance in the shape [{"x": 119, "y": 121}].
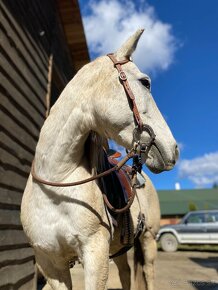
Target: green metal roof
[{"x": 179, "y": 202}]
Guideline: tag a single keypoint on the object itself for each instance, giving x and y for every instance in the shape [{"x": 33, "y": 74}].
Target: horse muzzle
[{"x": 158, "y": 160}]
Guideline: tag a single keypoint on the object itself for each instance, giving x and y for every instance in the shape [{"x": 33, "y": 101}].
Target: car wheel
[{"x": 168, "y": 243}]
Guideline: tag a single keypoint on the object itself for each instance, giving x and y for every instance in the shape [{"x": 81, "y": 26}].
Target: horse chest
[{"x": 67, "y": 218}]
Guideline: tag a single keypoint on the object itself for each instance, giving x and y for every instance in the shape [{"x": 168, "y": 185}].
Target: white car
[{"x": 196, "y": 227}]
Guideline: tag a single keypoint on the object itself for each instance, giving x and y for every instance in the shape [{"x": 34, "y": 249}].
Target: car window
[
  {"x": 211, "y": 217},
  {"x": 196, "y": 218}
]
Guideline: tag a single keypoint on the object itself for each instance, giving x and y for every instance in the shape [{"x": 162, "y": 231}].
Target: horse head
[{"x": 115, "y": 117}]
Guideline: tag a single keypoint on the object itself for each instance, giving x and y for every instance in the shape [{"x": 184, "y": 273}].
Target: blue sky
[{"x": 183, "y": 65}]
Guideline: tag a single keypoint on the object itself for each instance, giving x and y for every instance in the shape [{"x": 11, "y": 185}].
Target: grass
[{"x": 197, "y": 248}]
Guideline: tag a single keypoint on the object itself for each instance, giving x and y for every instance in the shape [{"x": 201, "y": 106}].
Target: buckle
[{"x": 122, "y": 76}]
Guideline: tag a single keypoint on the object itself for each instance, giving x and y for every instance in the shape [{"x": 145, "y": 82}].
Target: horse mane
[{"x": 94, "y": 151}]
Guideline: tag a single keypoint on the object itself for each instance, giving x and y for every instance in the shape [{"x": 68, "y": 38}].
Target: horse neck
[{"x": 60, "y": 149}]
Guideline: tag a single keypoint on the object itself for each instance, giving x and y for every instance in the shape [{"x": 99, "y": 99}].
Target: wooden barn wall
[{"x": 30, "y": 32}]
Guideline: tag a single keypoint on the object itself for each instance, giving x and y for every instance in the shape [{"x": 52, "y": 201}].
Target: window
[
  {"x": 211, "y": 217},
  {"x": 196, "y": 218}
]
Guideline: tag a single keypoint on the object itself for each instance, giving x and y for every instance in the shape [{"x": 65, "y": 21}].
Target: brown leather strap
[
  {"x": 133, "y": 182},
  {"x": 129, "y": 92},
  {"x": 126, "y": 207},
  {"x": 67, "y": 184},
  {"x": 107, "y": 172},
  {"x": 115, "y": 61}
]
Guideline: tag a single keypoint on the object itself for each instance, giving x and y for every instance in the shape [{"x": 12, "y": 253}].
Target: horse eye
[{"x": 145, "y": 83}]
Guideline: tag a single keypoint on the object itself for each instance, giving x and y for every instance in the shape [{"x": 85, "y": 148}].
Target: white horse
[{"x": 63, "y": 223}]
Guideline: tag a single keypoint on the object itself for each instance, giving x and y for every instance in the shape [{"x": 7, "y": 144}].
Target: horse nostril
[{"x": 176, "y": 153}]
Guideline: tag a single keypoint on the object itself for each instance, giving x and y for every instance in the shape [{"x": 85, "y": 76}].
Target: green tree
[
  {"x": 192, "y": 206},
  {"x": 215, "y": 185}
]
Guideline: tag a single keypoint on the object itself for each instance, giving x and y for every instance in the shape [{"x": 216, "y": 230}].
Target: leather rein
[{"x": 135, "y": 153}]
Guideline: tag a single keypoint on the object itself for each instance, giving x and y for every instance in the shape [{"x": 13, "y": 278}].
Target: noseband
[{"x": 140, "y": 148}]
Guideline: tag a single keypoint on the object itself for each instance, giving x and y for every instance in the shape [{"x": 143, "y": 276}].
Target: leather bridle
[
  {"x": 123, "y": 79},
  {"x": 139, "y": 149}
]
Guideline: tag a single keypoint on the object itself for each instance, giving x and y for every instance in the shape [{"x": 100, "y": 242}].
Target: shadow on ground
[
  {"x": 202, "y": 285},
  {"x": 208, "y": 262}
]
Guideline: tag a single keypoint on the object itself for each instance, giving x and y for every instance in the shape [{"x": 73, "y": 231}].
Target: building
[
  {"x": 42, "y": 46},
  {"x": 175, "y": 204}
]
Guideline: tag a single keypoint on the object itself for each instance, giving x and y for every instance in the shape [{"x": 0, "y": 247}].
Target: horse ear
[{"x": 126, "y": 50}]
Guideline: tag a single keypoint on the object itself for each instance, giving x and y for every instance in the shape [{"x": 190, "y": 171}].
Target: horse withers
[{"x": 112, "y": 98}]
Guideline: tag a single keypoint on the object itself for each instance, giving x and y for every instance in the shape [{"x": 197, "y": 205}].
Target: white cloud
[
  {"x": 202, "y": 171},
  {"x": 109, "y": 23}
]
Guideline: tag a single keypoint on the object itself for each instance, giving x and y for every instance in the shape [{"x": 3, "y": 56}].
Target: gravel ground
[
  {"x": 182, "y": 270},
  {"x": 187, "y": 270}
]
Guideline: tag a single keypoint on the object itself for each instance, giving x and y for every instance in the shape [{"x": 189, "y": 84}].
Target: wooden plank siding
[{"x": 37, "y": 59}]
